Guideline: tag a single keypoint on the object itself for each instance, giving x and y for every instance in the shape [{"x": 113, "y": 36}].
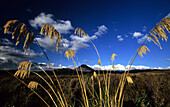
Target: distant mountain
[{"x": 85, "y": 68}]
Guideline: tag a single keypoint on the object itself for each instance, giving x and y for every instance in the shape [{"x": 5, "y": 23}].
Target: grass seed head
[
  {"x": 80, "y": 32},
  {"x": 33, "y": 85},
  {"x": 159, "y": 31},
  {"x": 9, "y": 24},
  {"x": 23, "y": 73},
  {"x": 113, "y": 67},
  {"x": 99, "y": 62},
  {"x": 113, "y": 56},
  {"x": 129, "y": 80},
  {"x": 69, "y": 53},
  {"x": 142, "y": 50}
]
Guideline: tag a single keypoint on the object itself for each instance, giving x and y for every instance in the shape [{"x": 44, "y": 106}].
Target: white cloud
[
  {"x": 80, "y": 42},
  {"x": 137, "y": 34},
  {"x": 5, "y": 41},
  {"x": 142, "y": 39},
  {"x": 62, "y": 26},
  {"x": 101, "y": 30},
  {"x": 119, "y": 37},
  {"x": 75, "y": 43},
  {"x": 168, "y": 67},
  {"x": 11, "y": 55},
  {"x": 46, "y": 43},
  {"x": 168, "y": 15},
  {"x": 120, "y": 67}
]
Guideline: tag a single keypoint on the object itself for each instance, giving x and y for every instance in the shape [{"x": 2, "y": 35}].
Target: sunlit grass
[{"x": 94, "y": 91}]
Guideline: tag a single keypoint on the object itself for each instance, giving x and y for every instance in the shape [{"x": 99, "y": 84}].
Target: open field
[{"x": 150, "y": 88}]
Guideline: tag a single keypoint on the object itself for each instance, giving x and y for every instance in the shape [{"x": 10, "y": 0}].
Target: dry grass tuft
[
  {"x": 80, "y": 32},
  {"x": 33, "y": 85},
  {"x": 129, "y": 80},
  {"x": 113, "y": 56},
  {"x": 23, "y": 73},
  {"x": 158, "y": 31},
  {"x": 113, "y": 67},
  {"x": 23, "y": 69},
  {"x": 69, "y": 53},
  {"x": 99, "y": 62},
  {"x": 21, "y": 30},
  {"x": 25, "y": 65},
  {"x": 142, "y": 49},
  {"x": 8, "y": 25},
  {"x": 51, "y": 32}
]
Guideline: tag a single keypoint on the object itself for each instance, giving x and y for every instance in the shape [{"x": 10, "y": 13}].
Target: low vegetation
[{"x": 101, "y": 90}]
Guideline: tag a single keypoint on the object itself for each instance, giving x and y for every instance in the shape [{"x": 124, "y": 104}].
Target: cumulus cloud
[
  {"x": 137, "y": 34},
  {"x": 142, "y": 39},
  {"x": 101, "y": 30},
  {"x": 5, "y": 41},
  {"x": 80, "y": 42},
  {"x": 119, "y": 37},
  {"x": 10, "y": 54},
  {"x": 120, "y": 67},
  {"x": 75, "y": 43},
  {"x": 62, "y": 26}
]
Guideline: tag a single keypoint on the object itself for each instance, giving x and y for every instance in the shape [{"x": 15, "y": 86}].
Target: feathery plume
[
  {"x": 29, "y": 41},
  {"x": 99, "y": 62},
  {"x": 21, "y": 30},
  {"x": 16, "y": 30},
  {"x": 113, "y": 56},
  {"x": 113, "y": 67},
  {"x": 160, "y": 32},
  {"x": 51, "y": 32},
  {"x": 8, "y": 25},
  {"x": 33, "y": 85},
  {"x": 129, "y": 80},
  {"x": 80, "y": 32},
  {"x": 69, "y": 53},
  {"x": 142, "y": 49},
  {"x": 23, "y": 69},
  {"x": 42, "y": 29},
  {"x": 22, "y": 73}
]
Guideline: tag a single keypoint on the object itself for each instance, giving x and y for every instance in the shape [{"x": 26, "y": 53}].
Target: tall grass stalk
[{"x": 103, "y": 98}]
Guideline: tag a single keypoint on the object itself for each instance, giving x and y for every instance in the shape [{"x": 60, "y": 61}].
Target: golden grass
[
  {"x": 51, "y": 32},
  {"x": 142, "y": 50},
  {"x": 21, "y": 30},
  {"x": 113, "y": 56},
  {"x": 102, "y": 98},
  {"x": 69, "y": 53},
  {"x": 129, "y": 80},
  {"x": 33, "y": 85}
]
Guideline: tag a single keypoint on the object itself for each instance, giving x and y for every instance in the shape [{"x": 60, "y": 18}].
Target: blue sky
[{"x": 115, "y": 26}]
